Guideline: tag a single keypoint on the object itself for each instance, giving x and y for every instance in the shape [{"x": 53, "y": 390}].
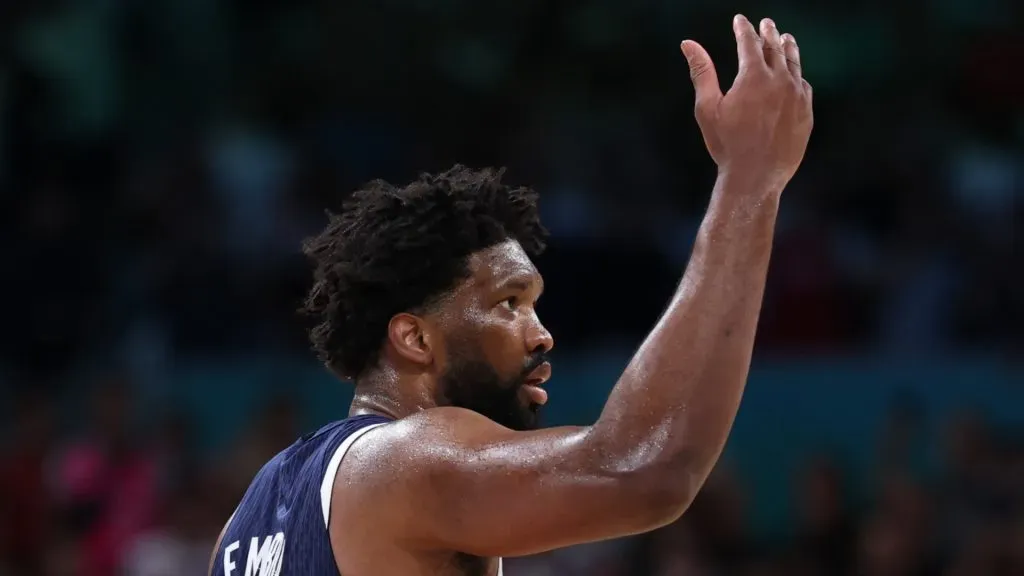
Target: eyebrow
[{"x": 520, "y": 284}]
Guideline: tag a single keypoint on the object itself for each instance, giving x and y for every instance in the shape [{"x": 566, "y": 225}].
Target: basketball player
[{"x": 425, "y": 298}]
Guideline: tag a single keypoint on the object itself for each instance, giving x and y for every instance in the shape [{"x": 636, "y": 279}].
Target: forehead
[{"x": 498, "y": 265}]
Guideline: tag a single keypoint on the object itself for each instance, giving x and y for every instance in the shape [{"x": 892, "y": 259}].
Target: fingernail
[
  {"x": 685, "y": 47},
  {"x": 770, "y": 22},
  {"x": 787, "y": 37},
  {"x": 739, "y": 19}
]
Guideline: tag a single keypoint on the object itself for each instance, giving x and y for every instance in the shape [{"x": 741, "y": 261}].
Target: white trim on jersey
[{"x": 327, "y": 486}]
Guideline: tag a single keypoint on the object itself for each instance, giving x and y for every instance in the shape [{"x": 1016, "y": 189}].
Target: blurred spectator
[
  {"x": 827, "y": 530},
  {"x": 181, "y": 543},
  {"x": 107, "y": 484},
  {"x": 27, "y": 519},
  {"x": 270, "y": 432}
]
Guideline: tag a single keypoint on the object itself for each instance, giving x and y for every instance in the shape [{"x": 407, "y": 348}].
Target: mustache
[{"x": 533, "y": 362}]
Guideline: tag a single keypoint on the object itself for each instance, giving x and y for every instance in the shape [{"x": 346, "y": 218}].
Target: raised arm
[{"x": 449, "y": 479}]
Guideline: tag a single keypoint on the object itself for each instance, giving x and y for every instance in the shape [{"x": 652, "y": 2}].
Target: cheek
[{"x": 501, "y": 348}]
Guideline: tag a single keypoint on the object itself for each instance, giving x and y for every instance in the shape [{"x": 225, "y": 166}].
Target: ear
[{"x": 411, "y": 337}]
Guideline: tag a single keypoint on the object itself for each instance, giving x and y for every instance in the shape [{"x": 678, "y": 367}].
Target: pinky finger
[{"x": 809, "y": 102}]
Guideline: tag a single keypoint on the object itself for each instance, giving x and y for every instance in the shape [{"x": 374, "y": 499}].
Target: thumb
[{"x": 702, "y": 72}]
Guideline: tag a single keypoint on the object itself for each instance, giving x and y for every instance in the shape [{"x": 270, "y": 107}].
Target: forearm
[{"x": 675, "y": 403}]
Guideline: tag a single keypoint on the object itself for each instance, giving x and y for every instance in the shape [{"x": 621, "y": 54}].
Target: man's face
[{"x": 496, "y": 347}]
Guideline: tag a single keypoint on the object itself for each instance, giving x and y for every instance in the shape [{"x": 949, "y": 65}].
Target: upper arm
[{"x": 450, "y": 479}]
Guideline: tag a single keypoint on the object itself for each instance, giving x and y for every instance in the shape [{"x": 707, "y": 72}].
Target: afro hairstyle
[{"x": 394, "y": 250}]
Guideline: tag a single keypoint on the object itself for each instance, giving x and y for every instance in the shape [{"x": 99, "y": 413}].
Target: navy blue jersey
[{"x": 280, "y": 527}]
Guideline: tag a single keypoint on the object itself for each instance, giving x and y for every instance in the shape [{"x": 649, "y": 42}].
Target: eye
[{"x": 509, "y": 303}]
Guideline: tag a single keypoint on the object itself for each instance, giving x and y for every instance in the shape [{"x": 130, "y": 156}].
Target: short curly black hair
[{"x": 394, "y": 250}]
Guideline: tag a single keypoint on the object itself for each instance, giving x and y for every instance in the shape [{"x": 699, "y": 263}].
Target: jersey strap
[{"x": 327, "y": 486}]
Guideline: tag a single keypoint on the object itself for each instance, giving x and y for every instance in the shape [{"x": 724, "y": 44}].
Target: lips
[
  {"x": 534, "y": 381},
  {"x": 536, "y": 394},
  {"x": 539, "y": 376}
]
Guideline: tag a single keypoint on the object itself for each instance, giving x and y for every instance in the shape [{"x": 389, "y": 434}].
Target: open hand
[{"x": 760, "y": 127}]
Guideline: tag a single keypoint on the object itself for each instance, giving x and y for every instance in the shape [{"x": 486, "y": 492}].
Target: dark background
[{"x": 161, "y": 160}]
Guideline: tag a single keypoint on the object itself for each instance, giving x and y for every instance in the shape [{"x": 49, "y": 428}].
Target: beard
[{"x": 474, "y": 384}]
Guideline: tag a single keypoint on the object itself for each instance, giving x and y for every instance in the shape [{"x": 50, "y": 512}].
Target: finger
[
  {"x": 702, "y": 72},
  {"x": 792, "y": 52},
  {"x": 809, "y": 94},
  {"x": 772, "y": 45},
  {"x": 748, "y": 44}
]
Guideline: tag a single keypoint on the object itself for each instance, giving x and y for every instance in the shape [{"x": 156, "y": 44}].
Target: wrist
[
  {"x": 746, "y": 194},
  {"x": 755, "y": 183}
]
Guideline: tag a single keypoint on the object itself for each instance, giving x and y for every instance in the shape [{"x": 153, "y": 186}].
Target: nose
[{"x": 538, "y": 338}]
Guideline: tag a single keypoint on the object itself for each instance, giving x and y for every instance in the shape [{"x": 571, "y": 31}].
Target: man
[{"x": 425, "y": 297}]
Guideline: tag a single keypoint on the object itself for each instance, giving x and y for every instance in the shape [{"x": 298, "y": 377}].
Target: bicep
[
  {"x": 524, "y": 496},
  {"x": 478, "y": 488}
]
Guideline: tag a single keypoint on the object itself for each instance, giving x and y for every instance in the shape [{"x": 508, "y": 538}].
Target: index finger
[{"x": 748, "y": 43}]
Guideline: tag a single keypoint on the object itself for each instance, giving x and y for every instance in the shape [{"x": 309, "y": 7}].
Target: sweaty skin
[{"x": 446, "y": 491}]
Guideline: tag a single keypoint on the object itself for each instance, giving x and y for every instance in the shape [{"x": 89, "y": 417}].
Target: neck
[{"x": 387, "y": 393}]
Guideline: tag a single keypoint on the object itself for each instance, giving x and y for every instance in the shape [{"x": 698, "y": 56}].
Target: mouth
[
  {"x": 534, "y": 381},
  {"x": 539, "y": 376}
]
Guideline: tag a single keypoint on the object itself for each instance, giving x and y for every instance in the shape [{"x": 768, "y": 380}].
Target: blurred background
[{"x": 161, "y": 160}]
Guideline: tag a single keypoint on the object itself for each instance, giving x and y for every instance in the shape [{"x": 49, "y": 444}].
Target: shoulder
[
  {"x": 445, "y": 424},
  {"x": 415, "y": 444},
  {"x": 388, "y": 465},
  {"x": 383, "y": 475}
]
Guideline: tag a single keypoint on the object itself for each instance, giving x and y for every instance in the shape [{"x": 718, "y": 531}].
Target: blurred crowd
[
  {"x": 126, "y": 492},
  {"x": 167, "y": 157},
  {"x": 161, "y": 161},
  {"x": 967, "y": 521},
  {"x": 133, "y": 496}
]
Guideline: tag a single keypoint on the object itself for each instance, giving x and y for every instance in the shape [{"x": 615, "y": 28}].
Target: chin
[
  {"x": 530, "y": 417},
  {"x": 522, "y": 418}
]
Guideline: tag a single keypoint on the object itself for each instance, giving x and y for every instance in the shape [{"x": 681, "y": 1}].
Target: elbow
[
  {"x": 652, "y": 487},
  {"x": 661, "y": 493}
]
